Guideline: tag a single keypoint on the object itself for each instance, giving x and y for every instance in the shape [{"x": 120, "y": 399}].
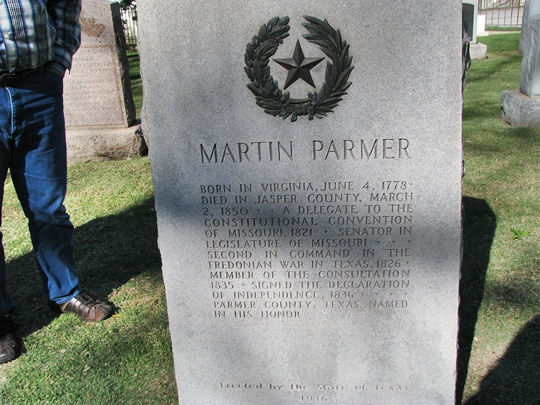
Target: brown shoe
[
  {"x": 10, "y": 345},
  {"x": 86, "y": 308}
]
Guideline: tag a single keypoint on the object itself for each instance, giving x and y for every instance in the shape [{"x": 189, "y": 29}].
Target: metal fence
[
  {"x": 129, "y": 18},
  {"x": 502, "y": 14}
]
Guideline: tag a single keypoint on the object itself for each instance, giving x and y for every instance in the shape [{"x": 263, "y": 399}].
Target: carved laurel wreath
[{"x": 266, "y": 90}]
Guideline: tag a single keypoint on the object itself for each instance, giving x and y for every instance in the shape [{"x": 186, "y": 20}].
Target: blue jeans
[{"x": 33, "y": 148}]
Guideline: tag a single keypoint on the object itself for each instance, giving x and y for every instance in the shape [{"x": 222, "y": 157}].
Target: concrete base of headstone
[
  {"x": 97, "y": 145},
  {"x": 478, "y": 51},
  {"x": 520, "y": 110}
]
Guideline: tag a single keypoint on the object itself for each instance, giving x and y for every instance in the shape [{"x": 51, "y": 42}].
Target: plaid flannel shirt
[{"x": 33, "y": 32}]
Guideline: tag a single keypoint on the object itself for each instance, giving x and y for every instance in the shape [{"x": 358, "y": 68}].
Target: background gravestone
[
  {"x": 307, "y": 261},
  {"x": 521, "y": 108},
  {"x": 478, "y": 50},
  {"x": 98, "y": 103},
  {"x": 470, "y": 15},
  {"x": 531, "y": 8}
]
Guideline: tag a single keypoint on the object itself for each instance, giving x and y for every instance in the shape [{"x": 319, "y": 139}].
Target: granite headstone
[
  {"x": 521, "y": 108},
  {"x": 310, "y": 236},
  {"x": 478, "y": 50},
  {"x": 470, "y": 15},
  {"x": 98, "y": 103},
  {"x": 531, "y": 8}
]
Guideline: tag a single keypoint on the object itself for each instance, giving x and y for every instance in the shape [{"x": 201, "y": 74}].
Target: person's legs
[
  {"x": 33, "y": 147},
  {"x": 6, "y": 304},
  {"x": 39, "y": 172},
  {"x": 10, "y": 345}
]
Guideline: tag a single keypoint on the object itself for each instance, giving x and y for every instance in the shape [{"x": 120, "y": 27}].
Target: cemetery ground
[{"x": 127, "y": 359}]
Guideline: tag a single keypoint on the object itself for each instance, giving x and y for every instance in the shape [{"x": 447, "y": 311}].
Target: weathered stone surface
[
  {"x": 314, "y": 261},
  {"x": 97, "y": 91},
  {"x": 93, "y": 145},
  {"x": 478, "y": 51},
  {"x": 531, "y": 8},
  {"x": 530, "y": 68},
  {"x": 520, "y": 110}
]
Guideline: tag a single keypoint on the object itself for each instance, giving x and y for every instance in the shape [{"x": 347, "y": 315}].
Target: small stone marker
[
  {"x": 310, "y": 240},
  {"x": 98, "y": 103},
  {"x": 521, "y": 108}
]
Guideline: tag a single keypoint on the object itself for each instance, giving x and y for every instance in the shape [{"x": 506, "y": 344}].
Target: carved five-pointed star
[{"x": 299, "y": 66}]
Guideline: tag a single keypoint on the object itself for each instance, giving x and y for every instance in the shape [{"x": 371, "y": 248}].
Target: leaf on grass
[{"x": 518, "y": 233}]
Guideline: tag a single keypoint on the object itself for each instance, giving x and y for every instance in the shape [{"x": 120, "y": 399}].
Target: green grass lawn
[
  {"x": 127, "y": 359},
  {"x": 124, "y": 360},
  {"x": 501, "y": 278}
]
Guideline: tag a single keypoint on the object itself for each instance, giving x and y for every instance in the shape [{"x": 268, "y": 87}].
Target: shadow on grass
[
  {"x": 497, "y": 64},
  {"x": 515, "y": 379},
  {"x": 112, "y": 250},
  {"x": 509, "y": 142},
  {"x": 109, "y": 251},
  {"x": 479, "y": 225}
]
